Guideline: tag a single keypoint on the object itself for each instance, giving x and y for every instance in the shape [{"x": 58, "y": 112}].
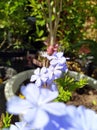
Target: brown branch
[{"x": 3, "y": 42}]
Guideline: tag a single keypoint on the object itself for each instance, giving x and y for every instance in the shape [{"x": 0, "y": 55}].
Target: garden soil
[{"x": 86, "y": 96}]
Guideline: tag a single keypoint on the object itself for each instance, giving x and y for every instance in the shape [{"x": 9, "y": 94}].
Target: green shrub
[{"x": 67, "y": 85}]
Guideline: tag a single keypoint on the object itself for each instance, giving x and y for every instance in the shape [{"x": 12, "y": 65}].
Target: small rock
[
  {"x": 90, "y": 93},
  {"x": 10, "y": 72}
]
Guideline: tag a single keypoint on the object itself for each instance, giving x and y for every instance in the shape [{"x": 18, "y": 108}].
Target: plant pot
[
  {"x": 77, "y": 76},
  {"x": 5, "y": 128},
  {"x": 14, "y": 83}
]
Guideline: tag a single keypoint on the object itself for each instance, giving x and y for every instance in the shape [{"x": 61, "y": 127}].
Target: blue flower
[
  {"x": 80, "y": 118},
  {"x": 58, "y": 58},
  {"x": 65, "y": 68},
  {"x": 36, "y": 105},
  {"x": 39, "y": 76},
  {"x": 54, "y": 72},
  {"x": 55, "y": 123},
  {"x": 53, "y": 87},
  {"x": 75, "y": 118}
]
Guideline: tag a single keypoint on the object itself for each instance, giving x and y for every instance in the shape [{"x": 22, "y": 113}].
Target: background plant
[
  {"x": 77, "y": 21},
  {"x": 13, "y": 26},
  {"x": 73, "y": 22}
]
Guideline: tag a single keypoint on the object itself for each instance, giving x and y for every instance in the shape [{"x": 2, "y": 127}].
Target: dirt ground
[{"x": 86, "y": 96}]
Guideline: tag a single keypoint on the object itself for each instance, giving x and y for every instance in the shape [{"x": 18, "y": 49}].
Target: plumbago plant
[{"x": 38, "y": 110}]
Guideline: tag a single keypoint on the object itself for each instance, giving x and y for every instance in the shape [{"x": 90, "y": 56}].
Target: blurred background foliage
[
  {"x": 12, "y": 24},
  {"x": 23, "y": 24}
]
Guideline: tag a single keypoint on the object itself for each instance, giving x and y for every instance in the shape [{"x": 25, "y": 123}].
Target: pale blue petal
[
  {"x": 50, "y": 57},
  {"x": 37, "y": 71},
  {"x": 47, "y": 96},
  {"x": 31, "y": 92},
  {"x": 38, "y": 82},
  {"x": 55, "y": 108},
  {"x": 54, "y": 62},
  {"x": 57, "y": 73},
  {"x": 17, "y": 106},
  {"x": 62, "y": 60},
  {"x": 50, "y": 126},
  {"x": 80, "y": 118},
  {"x": 49, "y": 82},
  {"x": 65, "y": 68},
  {"x": 85, "y": 117},
  {"x": 43, "y": 70},
  {"x": 51, "y": 76},
  {"x": 59, "y": 67},
  {"x": 71, "y": 110},
  {"x": 40, "y": 120},
  {"x": 55, "y": 123},
  {"x": 33, "y": 78},
  {"x": 53, "y": 87},
  {"x": 54, "y": 55},
  {"x": 19, "y": 126},
  {"x": 30, "y": 114},
  {"x": 13, "y": 127},
  {"x": 50, "y": 73},
  {"x": 51, "y": 68},
  {"x": 59, "y": 54},
  {"x": 44, "y": 78}
]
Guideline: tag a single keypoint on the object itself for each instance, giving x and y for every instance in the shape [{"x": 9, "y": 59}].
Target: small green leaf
[
  {"x": 52, "y": 3},
  {"x": 40, "y": 33},
  {"x": 94, "y": 103},
  {"x": 53, "y": 17}
]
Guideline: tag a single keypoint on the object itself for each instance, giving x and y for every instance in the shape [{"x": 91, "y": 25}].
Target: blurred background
[{"x": 23, "y": 32}]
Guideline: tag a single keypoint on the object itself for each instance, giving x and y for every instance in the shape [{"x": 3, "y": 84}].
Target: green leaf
[
  {"x": 41, "y": 33},
  {"x": 6, "y": 119},
  {"x": 53, "y": 17}
]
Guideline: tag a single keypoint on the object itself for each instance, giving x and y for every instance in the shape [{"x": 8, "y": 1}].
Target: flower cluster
[
  {"x": 39, "y": 111},
  {"x": 46, "y": 76}
]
